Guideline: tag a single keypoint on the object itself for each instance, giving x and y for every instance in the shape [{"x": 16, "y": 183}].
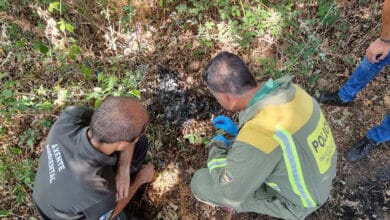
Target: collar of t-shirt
[{"x": 93, "y": 155}]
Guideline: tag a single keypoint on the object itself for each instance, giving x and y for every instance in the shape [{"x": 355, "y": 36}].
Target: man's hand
[
  {"x": 222, "y": 138},
  {"x": 122, "y": 185},
  {"x": 146, "y": 174},
  {"x": 226, "y": 124},
  {"x": 122, "y": 177},
  {"x": 377, "y": 51}
]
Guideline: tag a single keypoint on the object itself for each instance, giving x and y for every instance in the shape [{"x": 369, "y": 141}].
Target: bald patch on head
[
  {"x": 223, "y": 68},
  {"x": 219, "y": 80},
  {"x": 227, "y": 73}
]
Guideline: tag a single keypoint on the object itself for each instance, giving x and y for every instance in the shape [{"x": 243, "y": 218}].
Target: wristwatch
[{"x": 386, "y": 41}]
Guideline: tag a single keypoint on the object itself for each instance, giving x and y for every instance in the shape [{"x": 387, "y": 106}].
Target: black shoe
[
  {"x": 331, "y": 99},
  {"x": 361, "y": 149}
]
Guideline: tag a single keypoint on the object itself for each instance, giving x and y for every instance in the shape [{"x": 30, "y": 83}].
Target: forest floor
[{"x": 171, "y": 59}]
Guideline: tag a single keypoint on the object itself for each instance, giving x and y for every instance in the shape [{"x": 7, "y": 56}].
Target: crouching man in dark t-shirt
[{"x": 87, "y": 158}]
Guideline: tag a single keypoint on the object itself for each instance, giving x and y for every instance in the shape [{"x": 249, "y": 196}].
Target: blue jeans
[{"x": 363, "y": 74}]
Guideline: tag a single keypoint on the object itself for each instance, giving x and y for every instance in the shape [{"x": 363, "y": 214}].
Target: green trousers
[{"x": 261, "y": 202}]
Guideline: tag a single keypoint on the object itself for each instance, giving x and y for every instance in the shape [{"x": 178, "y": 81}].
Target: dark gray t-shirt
[{"x": 74, "y": 180}]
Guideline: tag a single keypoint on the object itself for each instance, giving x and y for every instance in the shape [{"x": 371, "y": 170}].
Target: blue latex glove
[
  {"x": 226, "y": 124},
  {"x": 222, "y": 138}
]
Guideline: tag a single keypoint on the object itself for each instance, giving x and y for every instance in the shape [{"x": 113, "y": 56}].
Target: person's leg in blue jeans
[
  {"x": 362, "y": 75},
  {"x": 380, "y": 133},
  {"x": 374, "y": 137}
]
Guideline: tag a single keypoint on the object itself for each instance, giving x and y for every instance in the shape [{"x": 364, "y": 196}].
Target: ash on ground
[
  {"x": 171, "y": 104},
  {"x": 369, "y": 199}
]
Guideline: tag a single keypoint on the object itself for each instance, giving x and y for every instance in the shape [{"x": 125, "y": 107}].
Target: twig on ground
[{"x": 6, "y": 59}]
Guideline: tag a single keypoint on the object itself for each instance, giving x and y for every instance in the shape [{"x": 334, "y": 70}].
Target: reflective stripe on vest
[
  {"x": 293, "y": 165},
  {"x": 215, "y": 163},
  {"x": 273, "y": 186}
]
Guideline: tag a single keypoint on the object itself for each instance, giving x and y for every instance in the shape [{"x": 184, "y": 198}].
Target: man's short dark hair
[
  {"x": 118, "y": 119},
  {"x": 227, "y": 73}
]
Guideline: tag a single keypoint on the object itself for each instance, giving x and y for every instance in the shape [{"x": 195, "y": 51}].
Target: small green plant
[
  {"x": 16, "y": 172},
  {"x": 87, "y": 72},
  {"x": 305, "y": 53},
  {"x": 9, "y": 104},
  {"x": 327, "y": 12},
  {"x": 41, "y": 47},
  {"x": 197, "y": 137},
  {"x": 194, "y": 139},
  {"x": 125, "y": 21},
  {"x": 313, "y": 78},
  {"x": 65, "y": 26},
  {"x": 4, "y": 5},
  {"x": 4, "y": 213},
  {"x": 12, "y": 103},
  {"x": 28, "y": 138},
  {"x": 66, "y": 46},
  {"x": 57, "y": 7},
  {"x": 242, "y": 21},
  {"x": 127, "y": 85},
  {"x": 181, "y": 144},
  {"x": 45, "y": 123},
  {"x": 268, "y": 67}
]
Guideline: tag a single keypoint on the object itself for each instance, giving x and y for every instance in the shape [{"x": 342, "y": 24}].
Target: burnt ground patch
[
  {"x": 172, "y": 104},
  {"x": 368, "y": 199}
]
